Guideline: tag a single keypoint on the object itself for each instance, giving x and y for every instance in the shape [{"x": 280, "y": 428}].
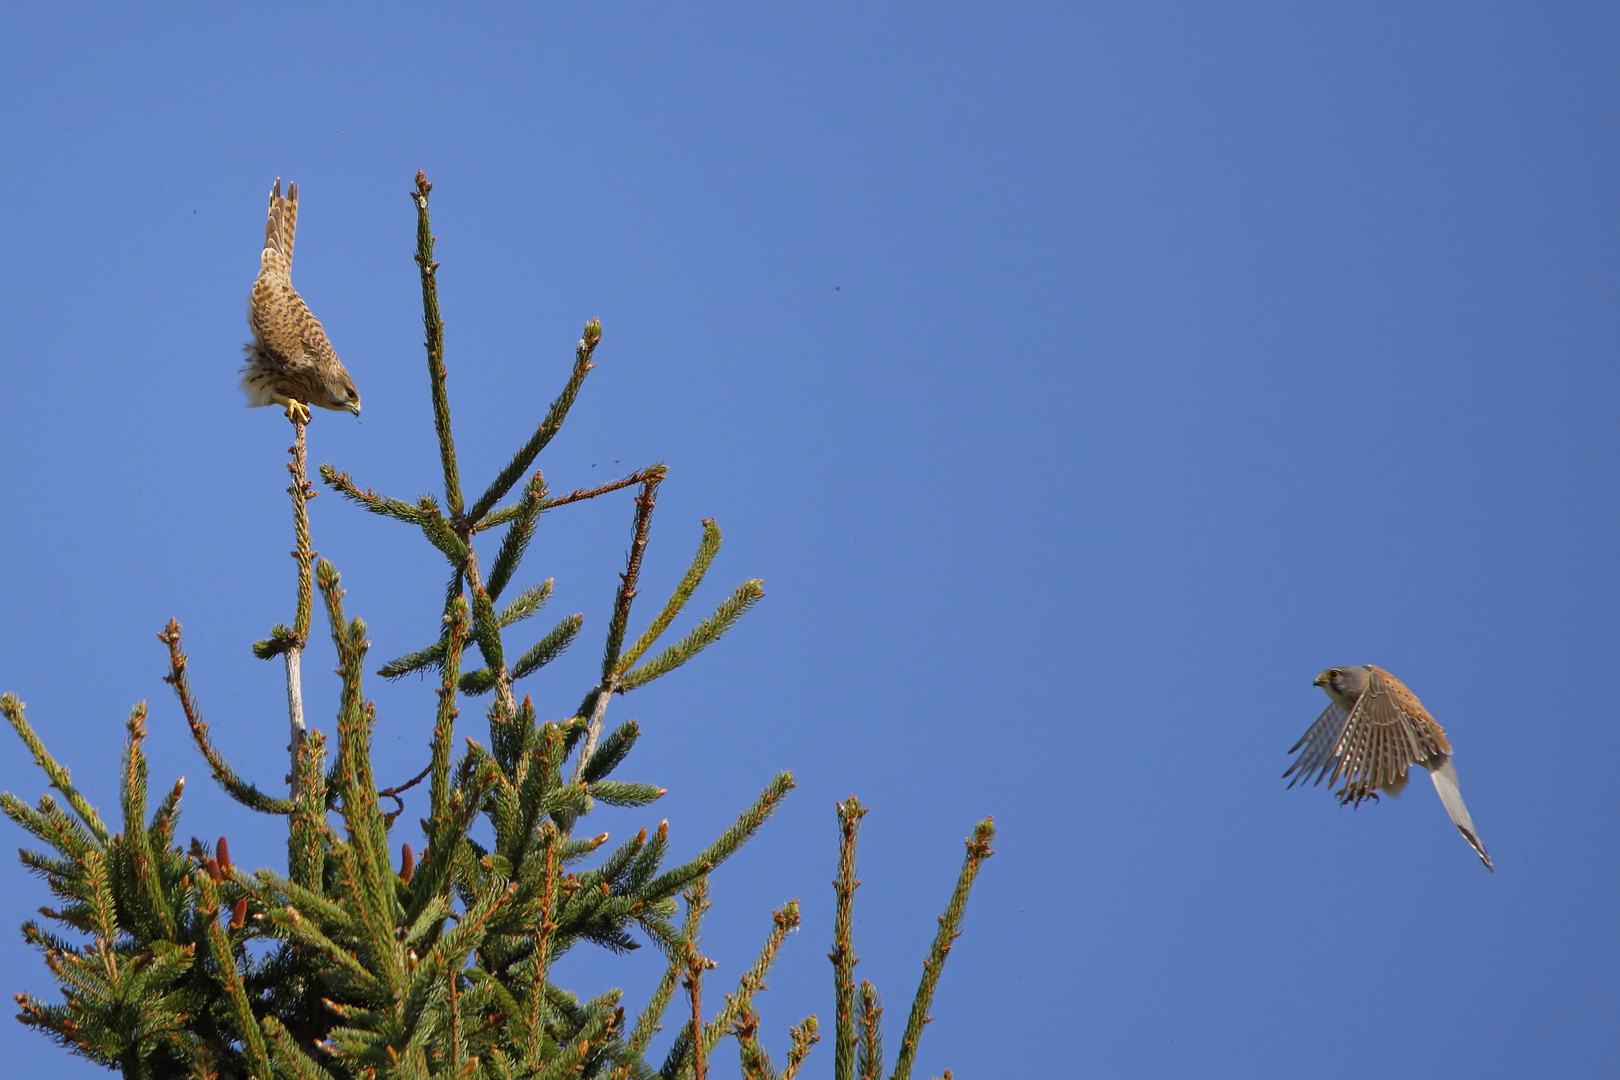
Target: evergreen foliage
[{"x": 439, "y": 966}]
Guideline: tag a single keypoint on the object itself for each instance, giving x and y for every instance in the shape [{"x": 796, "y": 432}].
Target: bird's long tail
[
  {"x": 279, "y": 227},
  {"x": 1444, "y": 776}
]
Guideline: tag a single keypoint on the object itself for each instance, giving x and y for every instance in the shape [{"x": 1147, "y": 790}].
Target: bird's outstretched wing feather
[{"x": 1320, "y": 741}]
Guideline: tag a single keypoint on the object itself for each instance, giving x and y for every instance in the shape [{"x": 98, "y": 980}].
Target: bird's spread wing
[
  {"x": 1444, "y": 776},
  {"x": 1388, "y": 730},
  {"x": 1321, "y": 742}
]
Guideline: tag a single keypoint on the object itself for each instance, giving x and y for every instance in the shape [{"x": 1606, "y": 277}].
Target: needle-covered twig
[{"x": 243, "y": 792}]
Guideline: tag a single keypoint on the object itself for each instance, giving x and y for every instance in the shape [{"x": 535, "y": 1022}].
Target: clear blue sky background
[{"x": 1081, "y": 379}]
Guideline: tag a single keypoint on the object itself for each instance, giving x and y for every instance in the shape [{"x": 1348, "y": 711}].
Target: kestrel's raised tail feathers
[
  {"x": 1444, "y": 776},
  {"x": 279, "y": 227}
]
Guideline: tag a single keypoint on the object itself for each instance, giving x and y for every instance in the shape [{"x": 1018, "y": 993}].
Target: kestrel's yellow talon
[{"x": 298, "y": 412}]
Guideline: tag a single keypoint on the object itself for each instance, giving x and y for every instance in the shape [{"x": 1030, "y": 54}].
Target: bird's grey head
[
  {"x": 1344, "y": 684},
  {"x": 338, "y": 394}
]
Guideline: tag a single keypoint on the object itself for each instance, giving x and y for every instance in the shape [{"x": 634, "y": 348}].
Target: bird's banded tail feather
[
  {"x": 279, "y": 227},
  {"x": 1444, "y": 776}
]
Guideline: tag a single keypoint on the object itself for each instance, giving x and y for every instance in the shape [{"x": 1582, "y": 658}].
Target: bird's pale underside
[
  {"x": 290, "y": 361},
  {"x": 1373, "y": 730}
]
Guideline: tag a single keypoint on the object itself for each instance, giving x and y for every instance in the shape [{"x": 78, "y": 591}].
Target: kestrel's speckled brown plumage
[
  {"x": 290, "y": 361},
  {"x": 1372, "y": 731}
]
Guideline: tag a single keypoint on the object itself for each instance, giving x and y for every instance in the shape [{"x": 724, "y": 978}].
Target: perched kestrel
[
  {"x": 1372, "y": 730},
  {"x": 290, "y": 361}
]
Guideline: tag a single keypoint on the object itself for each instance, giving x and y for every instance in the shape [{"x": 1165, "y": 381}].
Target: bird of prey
[
  {"x": 290, "y": 361},
  {"x": 1373, "y": 729}
]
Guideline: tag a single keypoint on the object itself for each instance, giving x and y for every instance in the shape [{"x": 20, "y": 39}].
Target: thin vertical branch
[
  {"x": 488, "y": 635},
  {"x": 301, "y": 491},
  {"x": 434, "y": 326},
  {"x": 620, "y": 620},
  {"x": 444, "y": 725},
  {"x": 950, "y": 928},
  {"x": 456, "y": 1049},
  {"x": 843, "y": 957},
  {"x": 869, "y": 1057},
  {"x": 289, "y": 642},
  {"x": 548, "y": 907},
  {"x": 627, "y": 580},
  {"x": 307, "y": 834},
  {"x": 697, "y": 898}
]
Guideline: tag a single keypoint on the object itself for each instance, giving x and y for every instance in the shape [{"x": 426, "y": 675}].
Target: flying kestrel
[
  {"x": 290, "y": 361},
  {"x": 1373, "y": 729}
]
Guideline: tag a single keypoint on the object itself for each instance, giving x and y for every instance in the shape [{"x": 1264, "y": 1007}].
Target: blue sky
[{"x": 1081, "y": 380}]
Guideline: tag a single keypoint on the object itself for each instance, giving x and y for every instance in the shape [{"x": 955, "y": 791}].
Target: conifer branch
[
  {"x": 246, "y": 794},
  {"x": 696, "y": 964},
  {"x": 287, "y": 1056},
  {"x": 58, "y": 776},
  {"x": 516, "y": 541},
  {"x": 439, "y": 532},
  {"x": 549, "y": 647},
  {"x": 743, "y": 830},
  {"x": 648, "y": 1023},
  {"x": 869, "y": 1048},
  {"x": 484, "y": 629},
  {"x": 708, "y": 548},
  {"x": 369, "y": 499},
  {"x": 843, "y": 958},
  {"x": 612, "y": 751},
  {"x": 784, "y": 920},
  {"x": 290, "y": 642},
  {"x": 626, "y": 594},
  {"x": 488, "y": 635},
  {"x": 801, "y": 1039},
  {"x": 308, "y": 832},
  {"x": 143, "y": 864},
  {"x": 640, "y": 476},
  {"x": 411, "y": 663},
  {"x": 620, "y": 618},
  {"x": 706, "y": 633},
  {"x": 950, "y": 928},
  {"x": 230, "y": 980},
  {"x": 524, "y": 605},
  {"x": 301, "y": 491},
  {"x": 756, "y": 1062},
  {"x": 590, "y": 337},
  {"x": 397, "y": 791},
  {"x": 434, "y": 327},
  {"x": 364, "y": 862},
  {"x": 549, "y": 874}
]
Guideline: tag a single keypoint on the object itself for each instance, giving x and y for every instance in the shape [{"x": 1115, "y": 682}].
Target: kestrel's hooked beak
[
  {"x": 1319, "y": 681},
  {"x": 354, "y": 408}
]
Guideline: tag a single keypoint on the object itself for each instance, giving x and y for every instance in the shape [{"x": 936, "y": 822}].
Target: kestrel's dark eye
[{"x": 1334, "y": 673}]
